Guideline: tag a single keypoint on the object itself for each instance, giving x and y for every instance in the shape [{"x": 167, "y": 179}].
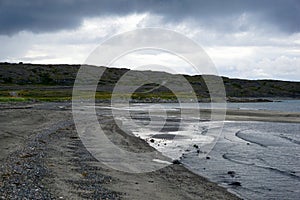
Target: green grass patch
[
  {"x": 13, "y": 99},
  {"x": 66, "y": 95}
]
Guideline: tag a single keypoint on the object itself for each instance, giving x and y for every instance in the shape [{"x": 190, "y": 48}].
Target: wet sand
[
  {"x": 261, "y": 115},
  {"x": 42, "y": 157}
]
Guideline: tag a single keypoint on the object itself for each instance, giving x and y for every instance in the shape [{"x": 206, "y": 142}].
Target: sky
[{"x": 252, "y": 39}]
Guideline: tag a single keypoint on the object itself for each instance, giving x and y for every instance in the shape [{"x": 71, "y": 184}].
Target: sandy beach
[{"x": 42, "y": 157}]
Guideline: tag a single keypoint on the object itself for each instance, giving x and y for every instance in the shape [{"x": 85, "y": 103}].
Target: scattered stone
[
  {"x": 196, "y": 146},
  {"x": 236, "y": 183},
  {"x": 42, "y": 141},
  {"x": 231, "y": 173},
  {"x": 152, "y": 140},
  {"x": 24, "y": 171},
  {"x": 207, "y": 157},
  {"x": 84, "y": 174},
  {"x": 176, "y": 162},
  {"x": 27, "y": 155}
]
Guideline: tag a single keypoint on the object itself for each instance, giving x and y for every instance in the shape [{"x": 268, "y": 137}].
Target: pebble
[
  {"x": 176, "y": 162},
  {"x": 231, "y": 173},
  {"x": 236, "y": 183}
]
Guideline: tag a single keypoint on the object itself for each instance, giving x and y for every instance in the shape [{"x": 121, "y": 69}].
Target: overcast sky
[{"x": 255, "y": 39}]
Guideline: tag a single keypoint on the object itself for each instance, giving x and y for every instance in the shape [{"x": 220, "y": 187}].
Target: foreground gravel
[{"x": 30, "y": 173}]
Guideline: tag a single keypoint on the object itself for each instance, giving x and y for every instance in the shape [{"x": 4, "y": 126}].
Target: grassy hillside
[{"x": 54, "y": 82}]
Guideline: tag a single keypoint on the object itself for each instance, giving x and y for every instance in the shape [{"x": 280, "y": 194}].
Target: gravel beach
[{"x": 42, "y": 157}]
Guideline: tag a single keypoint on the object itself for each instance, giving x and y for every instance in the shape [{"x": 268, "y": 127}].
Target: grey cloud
[{"x": 53, "y": 15}]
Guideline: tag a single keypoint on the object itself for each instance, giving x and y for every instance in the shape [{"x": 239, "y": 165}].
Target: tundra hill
[{"x": 33, "y": 80}]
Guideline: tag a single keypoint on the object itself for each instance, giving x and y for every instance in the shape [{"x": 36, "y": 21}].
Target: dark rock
[
  {"x": 196, "y": 146},
  {"x": 236, "y": 183},
  {"x": 42, "y": 141},
  {"x": 152, "y": 140},
  {"x": 231, "y": 173},
  {"x": 207, "y": 157},
  {"x": 27, "y": 155},
  {"x": 176, "y": 162}
]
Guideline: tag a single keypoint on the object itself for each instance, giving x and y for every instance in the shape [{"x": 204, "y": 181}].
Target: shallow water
[
  {"x": 263, "y": 157},
  {"x": 256, "y": 160},
  {"x": 283, "y": 105}
]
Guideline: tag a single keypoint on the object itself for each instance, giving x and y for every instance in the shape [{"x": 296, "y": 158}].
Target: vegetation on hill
[{"x": 54, "y": 82}]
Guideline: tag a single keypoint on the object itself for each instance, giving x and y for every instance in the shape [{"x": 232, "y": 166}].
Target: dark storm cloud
[{"x": 53, "y": 15}]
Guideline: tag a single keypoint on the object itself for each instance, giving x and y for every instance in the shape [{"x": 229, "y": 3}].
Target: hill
[{"x": 52, "y": 82}]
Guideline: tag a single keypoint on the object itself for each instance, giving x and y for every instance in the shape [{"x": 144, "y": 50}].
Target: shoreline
[
  {"x": 57, "y": 145},
  {"x": 63, "y": 164}
]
